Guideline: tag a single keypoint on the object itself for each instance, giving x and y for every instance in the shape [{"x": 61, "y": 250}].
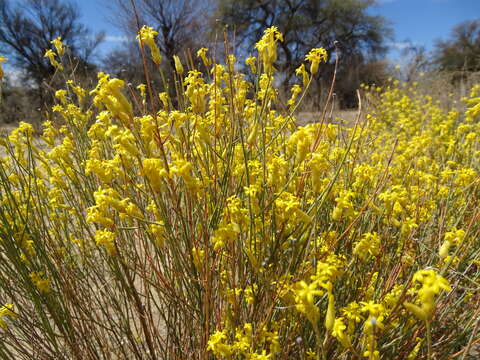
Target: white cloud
[
  {"x": 400, "y": 45},
  {"x": 14, "y": 75},
  {"x": 116, "y": 38}
]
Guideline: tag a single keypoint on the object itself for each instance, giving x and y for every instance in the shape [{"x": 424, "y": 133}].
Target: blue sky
[
  {"x": 424, "y": 21},
  {"x": 420, "y": 21}
]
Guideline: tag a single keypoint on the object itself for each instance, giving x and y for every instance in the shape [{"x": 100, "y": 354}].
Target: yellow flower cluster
[
  {"x": 245, "y": 343},
  {"x": 451, "y": 238},
  {"x": 6, "y": 312},
  {"x": 316, "y": 56},
  {"x": 432, "y": 285},
  {"x": 42, "y": 283},
  {"x": 51, "y": 55},
  {"x": 58, "y": 46},
  {"x": 367, "y": 246},
  {"x": 305, "y": 294},
  {"x": 267, "y": 48},
  {"x": 147, "y": 36},
  {"x": 108, "y": 95},
  {"x": 106, "y": 239},
  {"x": 251, "y": 236}
]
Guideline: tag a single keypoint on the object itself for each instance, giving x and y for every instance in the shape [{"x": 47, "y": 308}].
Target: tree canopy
[
  {"x": 27, "y": 27},
  {"x": 461, "y": 52},
  {"x": 178, "y": 22},
  {"x": 307, "y": 24}
]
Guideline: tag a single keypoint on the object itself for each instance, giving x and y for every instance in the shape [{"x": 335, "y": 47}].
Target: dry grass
[{"x": 343, "y": 117}]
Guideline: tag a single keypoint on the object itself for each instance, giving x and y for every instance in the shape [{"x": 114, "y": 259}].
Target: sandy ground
[{"x": 337, "y": 117}]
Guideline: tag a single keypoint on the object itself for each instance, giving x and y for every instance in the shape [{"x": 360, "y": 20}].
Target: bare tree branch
[{"x": 27, "y": 28}]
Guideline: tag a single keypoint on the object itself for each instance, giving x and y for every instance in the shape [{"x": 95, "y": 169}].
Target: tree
[
  {"x": 332, "y": 24},
  {"x": 306, "y": 24},
  {"x": 125, "y": 63},
  {"x": 28, "y": 26},
  {"x": 416, "y": 60},
  {"x": 461, "y": 52},
  {"x": 178, "y": 22}
]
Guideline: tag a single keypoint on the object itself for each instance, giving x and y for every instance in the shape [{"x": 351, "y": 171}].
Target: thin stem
[{"x": 429, "y": 340}]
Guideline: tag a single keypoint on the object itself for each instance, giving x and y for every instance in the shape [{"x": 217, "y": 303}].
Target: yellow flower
[
  {"x": 432, "y": 285},
  {"x": 311, "y": 355},
  {"x": 40, "y": 281},
  {"x": 249, "y": 292},
  {"x": 305, "y": 300},
  {"x": 106, "y": 239},
  {"x": 295, "y": 90},
  {"x": 108, "y": 95},
  {"x": 202, "y": 53},
  {"x": 51, "y": 56},
  {"x": 183, "y": 169},
  {"x": 267, "y": 48},
  {"x": 178, "y": 65},
  {"x": 252, "y": 61},
  {"x": 243, "y": 339},
  {"x": 61, "y": 95},
  {"x": 6, "y": 312},
  {"x": 373, "y": 309},
  {"x": 262, "y": 356},
  {"x": 301, "y": 71},
  {"x": 368, "y": 246},
  {"x": 158, "y": 232},
  {"x": 330, "y": 316},
  {"x": 198, "y": 255},
  {"x": 353, "y": 312},
  {"x": 289, "y": 210},
  {"x": 2, "y": 60},
  {"x": 216, "y": 344},
  {"x": 452, "y": 238},
  {"x": 413, "y": 354},
  {"x": 338, "y": 331},
  {"x": 372, "y": 355},
  {"x": 147, "y": 36},
  {"x": 344, "y": 207},
  {"x": 315, "y": 56},
  {"x": 143, "y": 91},
  {"x": 58, "y": 45},
  {"x": 79, "y": 91}
]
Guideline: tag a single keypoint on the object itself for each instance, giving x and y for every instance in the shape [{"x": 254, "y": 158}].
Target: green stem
[
  {"x": 429, "y": 340},
  {"x": 318, "y": 340}
]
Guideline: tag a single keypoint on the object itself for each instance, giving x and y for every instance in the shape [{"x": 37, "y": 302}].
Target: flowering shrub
[{"x": 212, "y": 226}]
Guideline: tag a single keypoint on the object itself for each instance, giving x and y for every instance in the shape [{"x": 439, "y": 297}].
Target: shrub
[{"x": 218, "y": 228}]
